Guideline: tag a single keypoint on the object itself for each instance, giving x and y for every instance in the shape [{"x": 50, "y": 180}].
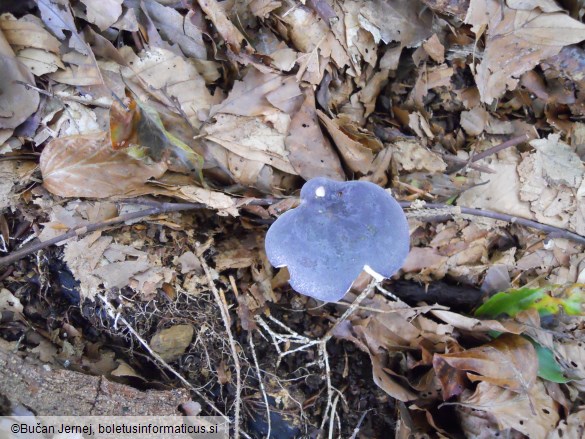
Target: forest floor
[{"x": 146, "y": 147}]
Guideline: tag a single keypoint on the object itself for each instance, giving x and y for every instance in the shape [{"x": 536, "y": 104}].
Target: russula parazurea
[{"x": 338, "y": 230}]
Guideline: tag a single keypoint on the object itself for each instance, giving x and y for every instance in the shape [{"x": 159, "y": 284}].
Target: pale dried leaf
[
  {"x": 501, "y": 192},
  {"x": 87, "y": 166},
  {"x": 528, "y": 5},
  {"x": 56, "y": 15},
  {"x": 103, "y": 13},
  {"x": 28, "y": 34},
  {"x": 560, "y": 164},
  {"x": 472, "y": 324},
  {"x": 509, "y": 361},
  {"x": 404, "y": 21},
  {"x": 261, "y": 94},
  {"x": 224, "y": 204},
  {"x": 176, "y": 28},
  {"x": 517, "y": 43},
  {"x": 17, "y": 102},
  {"x": 412, "y": 156},
  {"x": 250, "y": 138},
  {"x": 171, "y": 79},
  {"x": 573, "y": 426}
]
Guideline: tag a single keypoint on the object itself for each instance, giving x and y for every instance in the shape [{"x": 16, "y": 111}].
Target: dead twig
[
  {"x": 88, "y": 228},
  {"x": 227, "y": 323},
  {"x": 455, "y": 210},
  {"x": 261, "y": 383}
]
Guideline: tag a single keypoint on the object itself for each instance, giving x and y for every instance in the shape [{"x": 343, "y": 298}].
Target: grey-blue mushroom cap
[{"x": 338, "y": 230}]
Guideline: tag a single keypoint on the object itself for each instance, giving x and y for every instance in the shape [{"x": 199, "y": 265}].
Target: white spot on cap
[
  {"x": 320, "y": 192},
  {"x": 377, "y": 276}
]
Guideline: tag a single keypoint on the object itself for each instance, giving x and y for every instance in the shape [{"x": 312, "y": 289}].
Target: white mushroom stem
[{"x": 377, "y": 276}]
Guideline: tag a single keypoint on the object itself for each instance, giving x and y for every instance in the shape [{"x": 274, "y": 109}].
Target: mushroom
[{"x": 338, "y": 230}]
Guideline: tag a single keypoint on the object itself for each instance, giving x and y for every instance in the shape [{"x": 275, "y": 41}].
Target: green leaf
[
  {"x": 569, "y": 299},
  {"x": 548, "y": 368}
]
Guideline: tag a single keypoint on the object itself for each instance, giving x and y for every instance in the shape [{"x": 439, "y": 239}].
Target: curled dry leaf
[
  {"x": 404, "y": 21},
  {"x": 56, "y": 15},
  {"x": 510, "y": 361},
  {"x": 357, "y": 157},
  {"x": 87, "y": 166}
]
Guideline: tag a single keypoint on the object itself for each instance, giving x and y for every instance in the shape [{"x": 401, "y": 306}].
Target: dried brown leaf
[
  {"x": 252, "y": 139},
  {"x": 517, "y": 43},
  {"x": 176, "y": 28},
  {"x": 87, "y": 166},
  {"x": 310, "y": 153},
  {"x": 357, "y": 157},
  {"x": 224, "y": 26},
  {"x": 509, "y": 361},
  {"x": 261, "y": 94},
  {"x": 404, "y": 21},
  {"x": 534, "y": 414}
]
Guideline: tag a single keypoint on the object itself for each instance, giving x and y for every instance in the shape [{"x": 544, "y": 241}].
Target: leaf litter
[{"x": 208, "y": 116}]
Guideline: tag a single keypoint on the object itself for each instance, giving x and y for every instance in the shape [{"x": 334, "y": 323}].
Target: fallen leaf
[
  {"x": 103, "y": 13},
  {"x": 310, "y": 153},
  {"x": 176, "y": 28},
  {"x": 252, "y": 139},
  {"x": 224, "y": 26},
  {"x": 17, "y": 102},
  {"x": 357, "y": 157},
  {"x": 261, "y": 94},
  {"x": 570, "y": 427},
  {"x": 87, "y": 166},
  {"x": 171, "y": 79},
  {"x": 509, "y": 361},
  {"x": 404, "y": 21},
  {"x": 534, "y": 414},
  {"x": 140, "y": 131},
  {"x": 56, "y": 15},
  {"x": 224, "y": 204},
  {"x": 517, "y": 40},
  {"x": 477, "y": 325}
]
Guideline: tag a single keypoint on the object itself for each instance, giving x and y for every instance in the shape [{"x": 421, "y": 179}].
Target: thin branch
[
  {"x": 261, "y": 382},
  {"x": 514, "y": 141},
  {"x": 555, "y": 231},
  {"x": 227, "y": 323},
  {"x": 88, "y": 228}
]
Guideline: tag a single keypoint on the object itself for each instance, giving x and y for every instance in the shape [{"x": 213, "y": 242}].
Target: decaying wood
[{"x": 51, "y": 392}]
